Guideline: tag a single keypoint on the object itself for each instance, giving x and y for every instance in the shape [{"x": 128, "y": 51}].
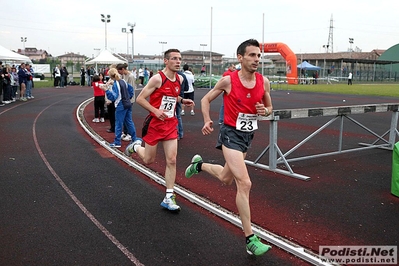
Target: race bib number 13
[
  {"x": 247, "y": 122},
  {"x": 168, "y": 105}
]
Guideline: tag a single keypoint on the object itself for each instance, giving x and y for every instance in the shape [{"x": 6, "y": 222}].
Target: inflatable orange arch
[{"x": 289, "y": 56}]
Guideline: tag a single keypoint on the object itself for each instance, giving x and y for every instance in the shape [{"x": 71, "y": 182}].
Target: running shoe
[
  {"x": 256, "y": 247},
  {"x": 192, "y": 112},
  {"x": 114, "y": 145},
  {"x": 182, "y": 113},
  {"x": 192, "y": 168},
  {"x": 127, "y": 137},
  {"x": 130, "y": 148},
  {"x": 96, "y": 120},
  {"x": 170, "y": 203}
]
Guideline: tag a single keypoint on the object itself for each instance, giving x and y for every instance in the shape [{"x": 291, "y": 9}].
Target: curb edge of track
[{"x": 290, "y": 247}]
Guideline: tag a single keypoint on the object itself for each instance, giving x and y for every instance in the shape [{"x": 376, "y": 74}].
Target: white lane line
[
  {"x": 277, "y": 240},
  {"x": 104, "y": 230}
]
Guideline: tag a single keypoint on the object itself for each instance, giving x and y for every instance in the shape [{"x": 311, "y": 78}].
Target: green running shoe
[
  {"x": 255, "y": 247},
  {"x": 192, "y": 168}
]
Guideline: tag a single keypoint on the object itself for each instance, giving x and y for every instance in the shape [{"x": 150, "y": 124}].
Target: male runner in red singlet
[
  {"x": 163, "y": 91},
  {"x": 246, "y": 95}
]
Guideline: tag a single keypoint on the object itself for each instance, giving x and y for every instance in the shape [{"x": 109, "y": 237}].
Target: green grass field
[
  {"x": 390, "y": 90},
  {"x": 384, "y": 89}
]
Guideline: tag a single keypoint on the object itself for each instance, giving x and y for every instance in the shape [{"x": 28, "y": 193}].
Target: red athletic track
[{"x": 347, "y": 201}]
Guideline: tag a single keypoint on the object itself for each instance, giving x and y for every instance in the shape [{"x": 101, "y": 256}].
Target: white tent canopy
[
  {"x": 105, "y": 58},
  {"x": 8, "y": 55}
]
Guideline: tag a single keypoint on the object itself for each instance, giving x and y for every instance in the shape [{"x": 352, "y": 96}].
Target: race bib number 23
[{"x": 247, "y": 122}]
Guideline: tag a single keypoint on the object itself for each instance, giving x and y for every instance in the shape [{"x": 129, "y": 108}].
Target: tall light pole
[
  {"x": 203, "y": 53},
  {"x": 350, "y": 43},
  {"x": 325, "y": 52},
  {"x": 106, "y": 19},
  {"x": 23, "y": 40},
  {"x": 132, "y": 31},
  {"x": 350, "y": 48},
  {"x": 162, "y": 50},
  {"x": 127, "y": 40}
]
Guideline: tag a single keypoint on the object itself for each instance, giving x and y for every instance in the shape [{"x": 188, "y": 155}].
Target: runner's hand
[{"x": 207, "y": 129}]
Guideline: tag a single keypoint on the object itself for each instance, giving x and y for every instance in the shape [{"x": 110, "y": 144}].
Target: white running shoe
[
  {"x": 96, "y": 120},
  {"x": 170, "y": 203},
  {"x": 102, "y": 120},
  {"x": 130, "y": 148},
  {"x": 127, "y": 137}
]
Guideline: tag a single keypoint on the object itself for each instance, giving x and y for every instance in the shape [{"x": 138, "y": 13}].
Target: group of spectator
[
  {"x": 12, "y": 78},
  {"x": 60, "y": 75}
]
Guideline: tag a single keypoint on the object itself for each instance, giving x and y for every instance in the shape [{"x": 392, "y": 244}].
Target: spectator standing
[
  {"x": 6, "y": 74},
  {"x": 189, "y": 94},
  {"x": 22, "y": 77},
  {"x": 121, "y": 93},
  {"x": 29, "y": 80},
  {"x": 99, "y": 98},
  {"x": 203, "y": 70},
  {"x": 14, "y": 83},
  {"x": 350, "y": 78},
  {"x": 64, "y": 77},
  {"x": 88, "y": 77},
  {"x": 110, "y": 104},
  {"x": 129, "y": 78},
  {"x": 57, "y": 76},
  {"x": 82, "y": 76},
  {"x": 141, "y": 75},
  {"x": 134, "y": 73},
  {"x": 146, "y": 76},
  {"x": 184, "y": 88}
]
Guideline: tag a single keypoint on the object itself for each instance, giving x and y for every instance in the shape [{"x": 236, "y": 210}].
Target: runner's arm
[{"x": 154, "y": 83}]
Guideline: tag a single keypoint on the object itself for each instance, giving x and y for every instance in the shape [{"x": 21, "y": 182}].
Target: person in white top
[
  {"x": 190, "y": 93},
  {"x": 350, "y": 78},
  {"x": 141, "y": 76}
]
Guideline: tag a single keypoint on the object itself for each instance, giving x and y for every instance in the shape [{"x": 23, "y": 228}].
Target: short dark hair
[
  {"x": 121, "y": 66},
  {"x": 243, "y": 46},
  {"x": 185, "y": 67},
  {"x": 167, "y": 53},
  {"x": 96, "y": 78}
]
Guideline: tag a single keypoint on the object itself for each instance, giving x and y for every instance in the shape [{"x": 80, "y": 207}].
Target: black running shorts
[{"x": 234, "y": 139}]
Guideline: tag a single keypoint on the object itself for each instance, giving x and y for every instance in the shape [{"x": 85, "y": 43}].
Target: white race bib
[
  {"x": 247, "y": 122},
  {"x": 168, "y": 105}
]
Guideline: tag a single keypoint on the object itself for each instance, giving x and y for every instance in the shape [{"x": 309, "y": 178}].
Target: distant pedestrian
[
  {"x": 203, "y": 70},
  {"x": 82, "y": 76},
  {"x": 188, "y": 94},
  {"x": 350, "y": 78}
]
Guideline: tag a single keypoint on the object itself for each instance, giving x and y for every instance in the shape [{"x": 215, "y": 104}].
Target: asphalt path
[{"x": 67, "y": 201}]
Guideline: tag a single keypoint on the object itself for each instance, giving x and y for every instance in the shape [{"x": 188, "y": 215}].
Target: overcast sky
[{"x": 75, "y": 26}]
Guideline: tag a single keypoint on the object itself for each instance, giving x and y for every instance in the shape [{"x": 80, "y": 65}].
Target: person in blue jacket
[{"x": 121, "y": 93}]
